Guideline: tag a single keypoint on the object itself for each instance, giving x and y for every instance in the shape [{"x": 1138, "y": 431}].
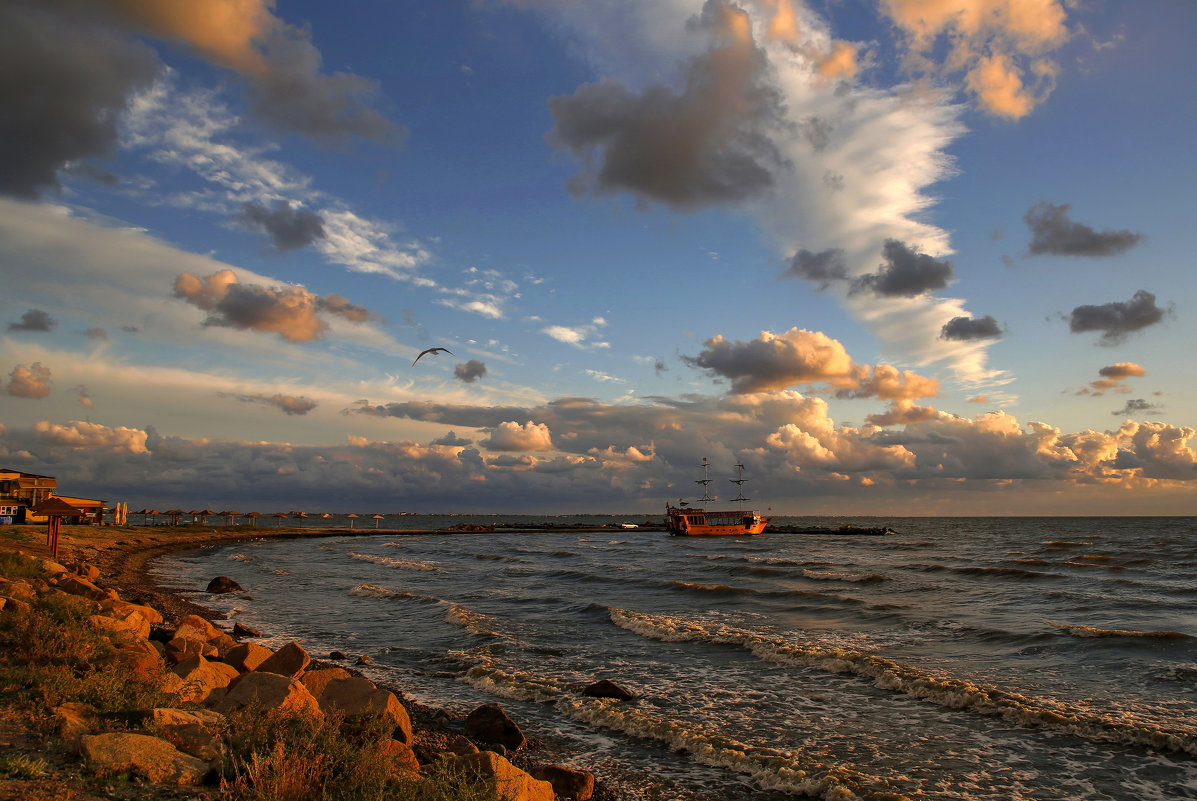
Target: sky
[{"x": 895, "y": 257}]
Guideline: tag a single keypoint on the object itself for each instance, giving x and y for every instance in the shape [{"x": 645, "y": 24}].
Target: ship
[{"x": 686, "y": 521}]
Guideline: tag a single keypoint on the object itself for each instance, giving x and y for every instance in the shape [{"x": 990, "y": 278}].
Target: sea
[{"x": 955, "y": 658}]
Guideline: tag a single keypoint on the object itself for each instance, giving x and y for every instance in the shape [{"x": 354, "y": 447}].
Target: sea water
[{"x": 965, "y": 658}]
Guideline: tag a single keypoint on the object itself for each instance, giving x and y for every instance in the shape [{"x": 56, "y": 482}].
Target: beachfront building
[{"x": 20, "y": 491}]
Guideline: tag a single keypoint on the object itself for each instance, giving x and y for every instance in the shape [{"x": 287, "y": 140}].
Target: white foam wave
[
  {"x": 401, "y": 564},
  {"x": 240, "y": 557},
  {"x": 516, "y": 685},
  {"x": 471, "y": 621},
  {"x": 1093, "y": 631},
  {"x": 374, "y": 591},
  {"x": 889, "y": 675}
]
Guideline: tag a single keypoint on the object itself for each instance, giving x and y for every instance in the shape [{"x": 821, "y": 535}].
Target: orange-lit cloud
[
  {"x": 93, "y": 436},
  {"x": 226, "y": 31},
  {"x": 29, "y": 382},
  {"x": 511, "y": 436},
  {"x": 1113, "y": 379}
]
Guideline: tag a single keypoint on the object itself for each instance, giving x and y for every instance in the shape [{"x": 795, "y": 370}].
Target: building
[{"x": 19, "y": 491}]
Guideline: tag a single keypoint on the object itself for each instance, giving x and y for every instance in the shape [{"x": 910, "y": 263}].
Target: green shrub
[{"x": 22, "y": 766}]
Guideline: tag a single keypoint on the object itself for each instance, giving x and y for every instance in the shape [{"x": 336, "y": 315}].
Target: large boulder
[
  {"x": 122, "y": 609},
  {"x": 181, "y": 648},
  {"x": 247, "y": 656},
  {"x": 222, "y": 584},
  {"x": 87, "y": 571},
  {"x": 152, "y": 757},
  {"x": 269, "y": 691},
  {"x": 132, "y": 626},
  {"x": 242, "y": 630},
  {"x": 352, "y": 696},
  {"x": 317, "y": 680},
  {"x": 193, "y": 731},
  {"x": 290, "y": 660},
  {"x": 194, "y": 627},
  {"x": 139, "y": 661},
  {"x": 204, "y": 681},
  {"x": 403, "y": 758},
  {"x": 512, "y": 783},
  {"x": 73, "y": 720},
  {"x": 490, "y": 724},
  {"x": 76, "y": 585},
  {"x": 567, "y": 782}
]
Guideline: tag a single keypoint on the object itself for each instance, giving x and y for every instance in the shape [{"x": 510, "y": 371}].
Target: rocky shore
[{"x": 170, "y": 643}]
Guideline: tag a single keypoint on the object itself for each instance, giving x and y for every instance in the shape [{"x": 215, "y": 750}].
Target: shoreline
[{"x": 123, "y": 554}]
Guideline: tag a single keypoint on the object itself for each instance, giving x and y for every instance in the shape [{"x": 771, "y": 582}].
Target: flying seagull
[{"x": 433, "y": 351}]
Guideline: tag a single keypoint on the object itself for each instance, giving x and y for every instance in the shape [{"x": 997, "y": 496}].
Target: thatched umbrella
[
  {"x": 229, "y": 516},
  {"x": 278, "y": 518},
  {"x": 174, "y": 515},
  {"x": 253, "y": 518},
  {"x": 204, "y": 514},
  {"x": 299, "y": 514},
  {"x": 194, "y": 514},
  {"x": 376, "y": 519},
  {"x": 351, "y": 517},
  {"x": 149, "y": 513}
]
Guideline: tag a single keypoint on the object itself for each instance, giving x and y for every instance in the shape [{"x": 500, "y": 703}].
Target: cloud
[
  {"x": 97, "y": 333},
  {"x": 66, "y": 82},
  {"x": 902, "y": 412},
  {"x": 29, "y": 382},
  {"x": 1117, "y": 320},
  {"x": 288, "y": 228},
  {"x": 511, "y": 436},
  {"x": 707, "y": 144},
  {"x": 93, "y": 436},
  {"x": 964, "y": 329},
  {"x": 470, "y": 371},
  {"x": 999, "y": 46},
  {"x": 1122, "y": 370},
  {"x": 1053, "y": 233},
  {"x": 451, "y": 440},
  {"x": 289, "y": 404},
  {"x": 823, "y": 268},
  {"x": 772, "y": 362},
  {"x": 905, "y": 273},
  {"x": 1136, "y": 406},
  {"x": 84, "y": 398},
  {"x": 577, "y": 335},
  {"x": 292, "y": 312},
  {"x": 34, "y": 320}
]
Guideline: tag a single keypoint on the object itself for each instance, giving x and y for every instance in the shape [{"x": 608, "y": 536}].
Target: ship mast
[
  {"x": 739, "y": 479},
  {"x": 705, "y": 480}
]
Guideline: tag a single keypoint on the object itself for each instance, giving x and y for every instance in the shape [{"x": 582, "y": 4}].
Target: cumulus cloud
[
  {"x": 451, "y": 440},
  {"x": 29, "y": 382},
  {"x": 511, "y": 436},
  {"x": 823, "y": 268},
  {"x": 1052, "y": 232},
  {"x": 965, "y": 329},
  {"x": 1000, "y": 46},
  {"x": 1136, "y": 406},
  {"x": 1119, "y": 319},
  {"x": 92, "y": 436},
  {"x": 772, "y": 361},
  {"x": 1113, "y": 379},
  {"x": 66, "y": 81},
  {"x": 288, "y": 404},
  {"x": 288, "y": 228},
  {"x": 470, "y": 371},
  {"x": 291, "y": 312},
  {"x": 705, "y": 144},
  {"x": 905, "y": 273},
  {"x": 34, "y": 320},
  {"x": 902, "y": 412}
]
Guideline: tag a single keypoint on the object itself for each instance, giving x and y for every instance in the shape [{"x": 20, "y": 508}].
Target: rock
[
  {"x": 607, "y": 689},
  {"x": 134, "y": 626},
  {"x": 12, "y": 606},
  {"x": 247, "y": 656},
  {"x": 122, "y": 609},
  {"x": 404, "y": 758},
  {"x": 194, "y": 627},
  {"x": 152, "y": 757},
  {"x": 270, "y": 691},
  {"x": 77, "y": 585},
  {"x": 317, "y": 680},
  {"x": 242, "y": 630},
  {"x": 567, "y": 782},
  {"x": 20, "y": 590},
  {"x": 462, "y": 746},
  {"x": 87, "y": 571},
  {"x": 73, "y": 720},
  {"x": 357, "y": 696},
  {"x": 340, "y": 656},
  {"x": 363, "y": 660},
  {"x": 195, "y": 732},
  {"x": 512, "y": 783},
  {"x": 181, "y": 648},
  {"x": 201, "y": 679},
  {"x": 490, "y": 724},
  {"x": 290, "y": 660},
  {"x": 223, "y": 643},
  {"x": 53, "y": 568},
  {"x": 138, "y": 663},
  {"x": 223, "y": 584}
]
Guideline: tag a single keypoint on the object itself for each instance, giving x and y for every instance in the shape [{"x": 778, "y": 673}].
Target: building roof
[
  {"x": 81, "y": 503},
  {"x": 54, "y": 507}
]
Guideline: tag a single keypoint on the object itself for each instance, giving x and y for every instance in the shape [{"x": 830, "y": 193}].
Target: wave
[
  {"x": 241, "y": 557},
  {"x": 826, "y": 575},
  {"x": 890, "y": 675},
  {"x": 1016, "y": 573},
  {"x": 366, "y": 590},
  {"x": 402, "y": 564},
  {"x": 471, "y": 621},
  {"x": 1092, "y": 631},
  {"x": 1056, "y": 545},
  {"x": 721, "y": 588}
]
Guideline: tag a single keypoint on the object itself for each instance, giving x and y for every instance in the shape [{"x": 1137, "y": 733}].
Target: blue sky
[{"x": 895, "y": 257}]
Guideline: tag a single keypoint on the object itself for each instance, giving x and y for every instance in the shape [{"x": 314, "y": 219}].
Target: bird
[{"x": 433, "y": 351}]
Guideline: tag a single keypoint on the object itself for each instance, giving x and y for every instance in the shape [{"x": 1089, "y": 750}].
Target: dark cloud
[
  {"x": 289, "y": 404},
  {"x": 822, "y": 268},
  {"x": 1122, "y": 370},
  {"x": 470, "y": 371},
  {"x": 1117, "y": 320},
  {"x": 706, "y": 144},
  {"x": 34, "y": 320},
  {"x": 64, "y": 82},
  {"x": 905, "y": 273},
  {"x": 1053, "y": 233},
  {"x": 451, "y": 440},
  {"x": 288, "y": 228},
  {"x": 292, "y": 312},
  {"x": 130, "y": 329},
  {"x": 1136, "y": 406},
  {"x": 964, "y": 329}
]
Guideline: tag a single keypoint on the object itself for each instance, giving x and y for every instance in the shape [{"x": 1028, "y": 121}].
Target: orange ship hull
[{"x": 701, "y": 523}]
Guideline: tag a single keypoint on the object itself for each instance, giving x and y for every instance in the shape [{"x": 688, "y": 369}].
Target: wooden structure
[
  {"x": 20, "y": 491},
  {"x": 54, "y": 510}
]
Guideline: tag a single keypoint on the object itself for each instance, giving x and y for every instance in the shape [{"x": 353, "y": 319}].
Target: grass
[{"x": 52, "y": 655}]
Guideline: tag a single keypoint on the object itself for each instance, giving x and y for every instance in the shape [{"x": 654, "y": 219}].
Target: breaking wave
[
  {"x": 1092, "y": 631},
  {"x": 402, "y": 564}
]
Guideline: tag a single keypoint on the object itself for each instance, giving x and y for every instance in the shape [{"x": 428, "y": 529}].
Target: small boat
[{"x": 683, "y": 521}]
